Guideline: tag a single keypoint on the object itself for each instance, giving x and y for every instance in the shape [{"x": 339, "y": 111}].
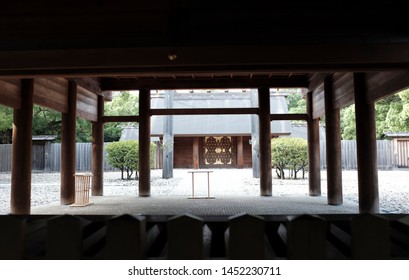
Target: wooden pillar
[
  {"x": 167, "y": 169},
  {"x": 366, "y": 148},
  {"x": 314, "y": 168},
  {"x": 333, "y": 142},
  {"x": 144, "y": 142},
  {"x": 239, "y": 151},
  {"x": 265, "y": 141},
  {"x": 196, "y": 164},
  {"x": 68, "y": 137},
  {"x": 21, "y": 152},
  {"x": 98, "y": 151},
  {"x": 255, "y": 160}
]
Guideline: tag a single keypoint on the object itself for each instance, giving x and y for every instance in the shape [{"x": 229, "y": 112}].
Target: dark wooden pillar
[
  {"x": 21, "y": 153},
  {"x": 196, "y": 153},
  {"x": 167, "y": 169},
  {"x": 314, "y": 168},
  {"x": 255, "y": 158},
  {"x": 68, "y": 137},
  {"x": 265, "y": 141},
  {"x": 366, "y": 148},
  {"x": 144, "y": 142},
  {"x": 98, "y": 151},
  {"x": 239, "y": 151},
  {"x": 333, "y": 142}
]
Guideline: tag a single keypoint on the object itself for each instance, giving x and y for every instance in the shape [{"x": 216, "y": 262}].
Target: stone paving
[{"x": 224, "y": 205}]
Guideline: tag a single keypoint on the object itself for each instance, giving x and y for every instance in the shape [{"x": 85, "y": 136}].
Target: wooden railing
[{"x": 213, "y": 237}]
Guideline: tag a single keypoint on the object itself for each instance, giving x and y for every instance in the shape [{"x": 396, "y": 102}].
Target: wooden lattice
[{"x": 218, "y": 150}]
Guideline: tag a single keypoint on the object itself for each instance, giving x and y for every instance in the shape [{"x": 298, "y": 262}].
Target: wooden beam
[
  {"x": 333, "y": 142},
  {"x": 51, "y": 93},
  {"x": 98, "y": 151},
  {"x": 265, "y": 142},
  {"x": 144, "y": 142},
  {"x": 87, "y": 105},
  {"x": 107, "y": 95},
  {"x": 383, "y": 84},
  {"x": 21, "y": 154},
  {"x": 343, "y": 90},
  {"x": 10, "y": 93},
  {"x": 107, "y": 119},
  {"x": 89, "y": 84},
  {"x": 318, "y": 100},
  {"x": 294, "y": 58},
  {"x": 316, "y": 80},
  {"x": 68, "y": 136},
  {"x": 366, "y": 148},
  {"x": 296, "y": 81},
  {"x": 288, "y": 117},
  {"x": 314, "y": 167},
  {"x": 204, "y": 111}
]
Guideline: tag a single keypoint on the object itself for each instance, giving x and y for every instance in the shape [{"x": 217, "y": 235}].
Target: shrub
[
  {"x": 289, "y": 153},
  {"x": 124, "y": 155}
]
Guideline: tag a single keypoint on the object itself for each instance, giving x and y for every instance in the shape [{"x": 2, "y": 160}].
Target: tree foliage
[
  {"x": 123, "y": 104},
  {"x": 296, "y": 103},
  {"x": 392, "y": 115},
  {"x": 124, "y": 155},
  {"x": 291, "y": 154},
  {"x": 48, "y": 122}
]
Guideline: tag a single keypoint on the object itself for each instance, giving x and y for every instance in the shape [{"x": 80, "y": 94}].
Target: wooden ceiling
[{"x": 126, "y": 44}]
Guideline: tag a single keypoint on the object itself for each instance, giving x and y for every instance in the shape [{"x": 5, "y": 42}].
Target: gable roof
[{"x": 202, "y": 125}]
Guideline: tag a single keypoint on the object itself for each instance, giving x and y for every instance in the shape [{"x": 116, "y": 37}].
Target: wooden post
[
  {"x": 366, "y": 148},
  {"x": 167, "y": 169},
  {"x": 196, "y": 153},
  {"x": 370, "y": 238},
  {"x": 333, "y": 142},
  {"x": 185, "y": 244},
  {"x": 144, "y": 142},
  {"x": 255, "y": 160},
  {"x": 246, "y": 237},
  {"x": 21, "y": 153},
  {"x": 12, "y": 237},
  {"x": 98, "y": 151},
  {"x": 306, "y": 238},
  {"x": 64, "y": 238},
  {"x": 314, "y": 168},
  {"x": 68, "y": 137},
  {"x": 125, "y": 238},
  {"x": 265, "y": 141},
  {"x": 240, "y": 152}
]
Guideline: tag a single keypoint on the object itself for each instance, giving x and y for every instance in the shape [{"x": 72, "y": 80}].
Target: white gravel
[{"x": 393, "y": 186}]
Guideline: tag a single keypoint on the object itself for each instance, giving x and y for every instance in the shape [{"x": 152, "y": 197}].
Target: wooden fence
[
  {"x": 348, "y": 156},
  {"x": 349, "y": 236},
  {"x": 52, "y": 158}
]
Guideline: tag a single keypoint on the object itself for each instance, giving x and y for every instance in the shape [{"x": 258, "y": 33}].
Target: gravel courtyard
[{"x": 393, "y": 186}]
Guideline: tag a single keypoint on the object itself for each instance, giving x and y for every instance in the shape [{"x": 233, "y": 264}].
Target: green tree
[
  {"x": 46, "y": 122},
  {"x": 6, "y": 118},
  {"x": 296, "y": 103},
  {"x": 123, "y": 104},
  {"x": 116, "y": 153},
  {"x": 289, "y": 153},
  {"x": 348, "y": 127},
  {"x": 124, "y": 155}
]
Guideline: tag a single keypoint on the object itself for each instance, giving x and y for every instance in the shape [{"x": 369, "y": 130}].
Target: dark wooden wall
[{"x": 183, "y": 152}]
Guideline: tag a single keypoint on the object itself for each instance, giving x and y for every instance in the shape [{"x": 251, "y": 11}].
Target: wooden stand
[
  {"x": 208, "y": 184},
  {"x": 82, "y": 187}
]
